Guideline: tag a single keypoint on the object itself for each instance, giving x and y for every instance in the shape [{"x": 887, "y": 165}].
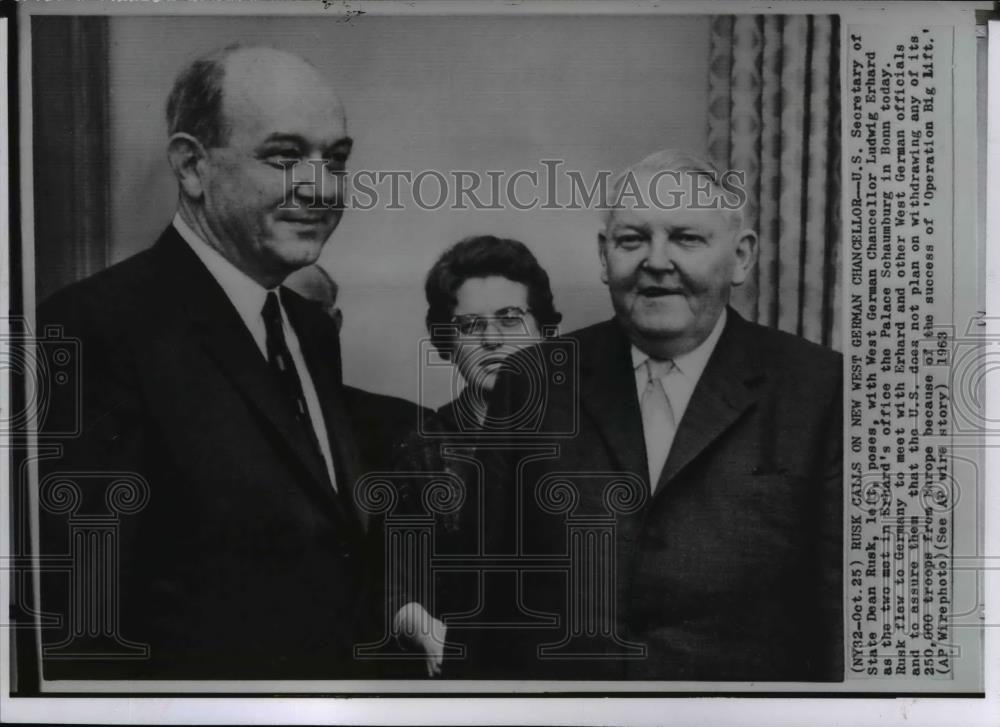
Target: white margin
[{"x": 492, "y": 710}]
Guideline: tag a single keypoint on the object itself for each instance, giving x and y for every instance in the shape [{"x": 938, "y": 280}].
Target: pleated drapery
[
  {"x": 71, "y": 147},
  {"x": 774, "y": 114}
]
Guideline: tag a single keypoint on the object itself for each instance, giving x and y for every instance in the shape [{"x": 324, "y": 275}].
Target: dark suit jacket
[
  {"x": 380, "y": 423},
  {"x": 732, "y": 569},
  {"x": 244, "y": 562},
  {"x": 458, "y": 414}
]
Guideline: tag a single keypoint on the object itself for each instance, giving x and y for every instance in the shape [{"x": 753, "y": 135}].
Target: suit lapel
[
  {"x": 722, "y": 394},
  {"x": 321, "y": 350},
  {"x": 609, "y": 395},
  {"x": 233, "y": 348}
]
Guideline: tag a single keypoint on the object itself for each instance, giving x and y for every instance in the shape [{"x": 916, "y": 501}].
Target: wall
[{"x": 433, "y": 93}]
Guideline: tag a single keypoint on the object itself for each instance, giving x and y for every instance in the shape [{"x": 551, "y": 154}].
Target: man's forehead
[
  {"x": 268, "y": 93},
  {"x": 634, "y": 215},
  {"x": 672, "y": 187}
]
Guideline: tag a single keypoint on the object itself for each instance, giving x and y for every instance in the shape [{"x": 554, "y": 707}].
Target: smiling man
[
  {"x": 727, "y": 565},
  {"x": 218, "y": 391}
]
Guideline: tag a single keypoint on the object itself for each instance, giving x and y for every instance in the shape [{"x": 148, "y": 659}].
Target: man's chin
[
  {"x": 294, "y": 253},
  {"x": 309, "y": 237},
  {"x": 660, "y": 327}
]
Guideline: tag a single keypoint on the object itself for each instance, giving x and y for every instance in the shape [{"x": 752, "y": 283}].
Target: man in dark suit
[
  {"x": 707, "y": 447},
  {"x": 216, "y": 392}
]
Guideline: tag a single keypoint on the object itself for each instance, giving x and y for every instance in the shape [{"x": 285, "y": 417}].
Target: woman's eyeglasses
[{"x": 507, "y": 319}]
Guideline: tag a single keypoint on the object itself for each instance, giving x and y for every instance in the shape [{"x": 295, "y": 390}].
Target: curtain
[
  {"x": 70, "y": 130},
  {"x": 69, "y": 102},
  {"x": 774, "y": 114}
]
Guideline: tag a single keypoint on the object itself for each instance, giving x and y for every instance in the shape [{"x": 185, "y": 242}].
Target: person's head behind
[
  {"x": 314, "y": 283},
  {"x": 671, "y": 250},
  {"x": 258, "y": 143},
  {"x": 486, "y": 298}
]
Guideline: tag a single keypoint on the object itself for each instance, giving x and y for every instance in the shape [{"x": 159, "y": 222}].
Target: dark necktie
[{"x": 280, "y": 360}]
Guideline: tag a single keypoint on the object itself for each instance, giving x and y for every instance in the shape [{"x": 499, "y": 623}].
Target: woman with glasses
[{"x": 486, "y": 298}]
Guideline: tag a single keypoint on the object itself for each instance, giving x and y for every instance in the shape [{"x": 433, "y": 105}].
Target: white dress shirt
[
  {"x": 688, "y": 368},
  {"x": 248, "y": 296}
]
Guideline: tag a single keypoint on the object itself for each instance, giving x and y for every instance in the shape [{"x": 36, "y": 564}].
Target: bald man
[{"x": 218, "y": 391}]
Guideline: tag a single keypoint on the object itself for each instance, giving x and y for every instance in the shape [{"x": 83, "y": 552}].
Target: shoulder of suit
[
  {"x": 122, "y": 277},
  {"x": 393, "y": 407},
  {"x": 785, "y": 350},
  {"x": 586, "y": 340},
  {"x": 598, "y": 333},
  {"x": 804, "y": 374},
  {"x": 448, "y": 412},
  {"x": 775, "y": 349},
  {"x": 593, "y": 340},
  {"x": 117, "y": 297}
]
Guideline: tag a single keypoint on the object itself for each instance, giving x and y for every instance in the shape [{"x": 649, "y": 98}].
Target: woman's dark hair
[{"x": 482, "y": 257}]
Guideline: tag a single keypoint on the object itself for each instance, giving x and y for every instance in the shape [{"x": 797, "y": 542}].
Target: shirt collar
[
  {"x": 692, "y": 363},
  {"x": 245, "y": 293}
]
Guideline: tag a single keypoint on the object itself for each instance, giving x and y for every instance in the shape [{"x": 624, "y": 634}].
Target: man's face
[
  {"x": 670, "y": 272},
  {"x": 272, "y": 194},
  {"x": 499, "y": 308}
]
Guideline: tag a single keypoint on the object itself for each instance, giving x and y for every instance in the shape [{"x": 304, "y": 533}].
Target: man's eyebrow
[
  {"x": 280, "y": 138},
  {"x": 343, "y": 145},
  {"x": 692, "y": 228}
]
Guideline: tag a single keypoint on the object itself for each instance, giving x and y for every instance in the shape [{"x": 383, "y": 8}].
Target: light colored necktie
[{"x": 658, "y": 422}]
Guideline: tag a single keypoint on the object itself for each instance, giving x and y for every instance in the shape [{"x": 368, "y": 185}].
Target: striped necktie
[{"x": 280, "y": 360}]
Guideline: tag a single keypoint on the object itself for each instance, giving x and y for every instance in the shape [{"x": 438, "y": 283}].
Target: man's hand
[{"x": 415, "y": 627}]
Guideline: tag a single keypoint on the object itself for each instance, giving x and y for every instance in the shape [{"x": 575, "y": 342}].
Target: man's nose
[
  {"x": 319, "y": 185},
  {"x": 660, "y": 257}
]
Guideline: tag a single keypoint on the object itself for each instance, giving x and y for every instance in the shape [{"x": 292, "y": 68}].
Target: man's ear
[
  {"x": 602, "y": 242},
  {"x": 186, "y": 155},
  {"x": 746, "y": 255}
]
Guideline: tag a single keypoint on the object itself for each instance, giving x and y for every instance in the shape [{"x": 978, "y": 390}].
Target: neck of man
[{"x": 194, "y": 217}]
